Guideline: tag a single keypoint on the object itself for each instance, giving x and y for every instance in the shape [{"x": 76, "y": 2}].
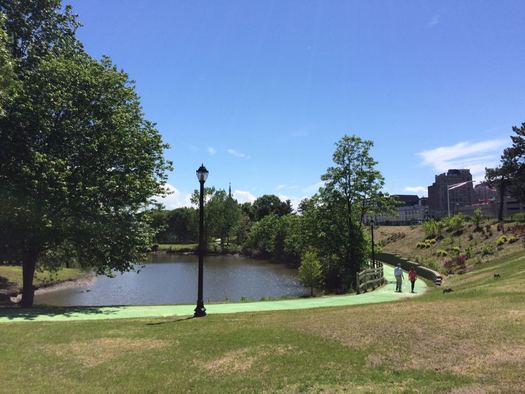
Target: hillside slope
[{"x": 454, "y": 251}]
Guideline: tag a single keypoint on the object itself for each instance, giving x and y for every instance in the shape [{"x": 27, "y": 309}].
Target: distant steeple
[{"x": 230, "y": 190}]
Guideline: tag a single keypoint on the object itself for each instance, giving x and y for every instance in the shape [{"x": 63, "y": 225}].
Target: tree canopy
[
  {"x": 7, "y": 75},
  {"x": 509, "y": 176},
  {"x": 79, "y": 163},
  {"x": 333, "y": 217}
]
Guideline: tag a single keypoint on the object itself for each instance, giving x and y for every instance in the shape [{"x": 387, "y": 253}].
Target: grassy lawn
[{"x": 470, "y": 340}]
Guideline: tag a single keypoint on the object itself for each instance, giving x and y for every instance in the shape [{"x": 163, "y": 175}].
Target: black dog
[
  {"x": 447, "y": 290},
  {"x": 497, "y": 276}
]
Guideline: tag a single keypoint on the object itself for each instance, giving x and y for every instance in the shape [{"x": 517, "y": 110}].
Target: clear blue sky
[{"x": 259, "y": 91}]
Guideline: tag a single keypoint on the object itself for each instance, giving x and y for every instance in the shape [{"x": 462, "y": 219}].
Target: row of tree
[
  {"x": 329, "y": 224},
  {"x": 509, "y": 176}
]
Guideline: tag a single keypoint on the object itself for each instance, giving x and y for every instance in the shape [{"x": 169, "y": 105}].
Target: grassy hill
[
  {"x": 469, "y": 341},
  {"x": 455, "y": 250}
]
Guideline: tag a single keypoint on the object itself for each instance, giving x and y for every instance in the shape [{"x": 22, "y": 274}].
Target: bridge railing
[{"x": 370, "y": 278}]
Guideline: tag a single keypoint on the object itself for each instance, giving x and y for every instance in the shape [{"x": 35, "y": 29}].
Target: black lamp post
[
  {"x": 202, "y": 174},
  {"x": 373, "y": 250}
]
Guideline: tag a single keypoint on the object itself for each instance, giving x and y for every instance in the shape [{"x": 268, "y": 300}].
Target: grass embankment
[
  {"x": 470, "y": 340},
  {"x": 11, "y": 278},
  {"x": 177, "y": 247},
  {"x": 212, "y": 248},
  {"x": 478, "y": 246}
]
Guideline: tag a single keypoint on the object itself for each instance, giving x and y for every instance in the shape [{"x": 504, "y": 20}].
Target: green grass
[
  {"x": 470, "y": 340},
  {"x": 178, "y": 247}
]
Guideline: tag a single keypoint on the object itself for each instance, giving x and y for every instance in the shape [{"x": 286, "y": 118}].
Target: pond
[{"x": 172, "y": 279}]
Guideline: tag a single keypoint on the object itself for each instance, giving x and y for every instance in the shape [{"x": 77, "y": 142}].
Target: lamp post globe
[{"x": 202, "y": 175}]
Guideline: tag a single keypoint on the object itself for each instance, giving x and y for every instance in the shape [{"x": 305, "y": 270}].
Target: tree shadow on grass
[
  {"x": 29, "y": 314},
  {"x": 170, "y": 321}
]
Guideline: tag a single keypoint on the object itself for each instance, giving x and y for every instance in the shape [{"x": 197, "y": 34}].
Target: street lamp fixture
[
  {"x": 202, "y": 175},
  {"x": 452, "y": 187}
]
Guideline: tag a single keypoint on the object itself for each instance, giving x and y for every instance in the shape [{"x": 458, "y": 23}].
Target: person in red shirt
[{"x": 412, "y": 276}]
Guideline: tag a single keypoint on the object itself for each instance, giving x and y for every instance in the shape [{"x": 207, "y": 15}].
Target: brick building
[{"x": 459, "y": 197}]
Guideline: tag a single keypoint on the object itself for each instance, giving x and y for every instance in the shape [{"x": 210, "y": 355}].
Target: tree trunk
[
  {"x": 501, "y": 201},
  {"x": 311, "y": 291},
  {"x": 28, "y": 272}
]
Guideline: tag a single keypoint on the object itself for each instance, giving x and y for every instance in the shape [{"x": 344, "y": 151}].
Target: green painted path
[{"x": 384, "y": 294}]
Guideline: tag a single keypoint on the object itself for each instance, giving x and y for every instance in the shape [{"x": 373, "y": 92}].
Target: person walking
[
  {"x": 412, "y": 276},
  {"x": 398, "y": 273}
]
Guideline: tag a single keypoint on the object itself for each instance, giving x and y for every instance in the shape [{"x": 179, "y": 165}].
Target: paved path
[{"x": 384, "y": 294}]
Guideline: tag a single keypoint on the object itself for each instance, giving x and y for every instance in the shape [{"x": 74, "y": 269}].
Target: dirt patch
[
  {"x": 101, "y": 350},
  {"x": 240, "y": 360}
]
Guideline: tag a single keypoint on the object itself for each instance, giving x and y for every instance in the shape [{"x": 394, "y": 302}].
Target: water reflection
[{"x": 172, "y": 279}]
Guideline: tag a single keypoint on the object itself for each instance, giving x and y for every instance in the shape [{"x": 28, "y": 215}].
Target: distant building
[
  {"x": 483, "y": 193},
  {"x": 409, "y": 211},
  {"x": 461, "y": 196},
  {"x": 407, "y": 200}
]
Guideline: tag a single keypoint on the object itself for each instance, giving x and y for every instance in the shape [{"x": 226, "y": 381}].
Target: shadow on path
[{"x": 16, "y": 313}]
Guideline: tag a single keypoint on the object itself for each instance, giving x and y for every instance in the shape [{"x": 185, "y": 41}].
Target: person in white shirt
[{"x": 398, "y": 273}]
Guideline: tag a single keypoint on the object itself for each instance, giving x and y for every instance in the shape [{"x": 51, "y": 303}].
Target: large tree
[
  {"x": 516, "y": 153},
  {"x": 509, "y": 176},
  {"x": 334, "y": 217},
  {"x": 79, "y": 164}
]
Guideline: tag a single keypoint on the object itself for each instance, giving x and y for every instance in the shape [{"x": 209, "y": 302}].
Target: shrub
[
  {"x": 456, "y": 223},
  {"x": 441, "y": 253},
  {"x": 478, "y": 260},
  {"x": 430, "y": 228},
  {"x": 310, "y": 271},
  {"x": 448, "y": 264},
  {"x": 425, "y": 244},
  {"x": 502, "y": 239},
  {"x": 456, "y": 250},
  {"x": 468, "y": 252},
  {"x": 488, "y": 248},
  {"x": 477, "y": 218}
]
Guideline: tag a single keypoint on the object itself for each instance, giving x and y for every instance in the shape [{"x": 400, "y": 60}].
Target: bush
[
  {"x": 441, "y": 253},
  {"x": 477, "y": 218},
  {"x": 488, "y": 248},
  {"x": 430, "y": 228},
  {"x": 468, "y": 252},
  {"x": 502, "y": 240},
  {"x": 425, "y": 244},
  {"x": 456, "y": 223},
  {"x": 456, "y": 250},
  {"x": 310, "y": 271}
]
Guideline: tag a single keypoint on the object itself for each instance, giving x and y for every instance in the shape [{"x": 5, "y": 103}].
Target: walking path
[{"x": 384, "y": 294}]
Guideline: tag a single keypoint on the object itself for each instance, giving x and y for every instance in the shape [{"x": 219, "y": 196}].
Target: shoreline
[{"x": 13, "y": 296}]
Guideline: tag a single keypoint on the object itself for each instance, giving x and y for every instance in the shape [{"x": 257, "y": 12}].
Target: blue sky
[{"x": 260, "y": 91}]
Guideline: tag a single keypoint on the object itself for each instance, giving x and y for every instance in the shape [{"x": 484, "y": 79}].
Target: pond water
[{"x": 172, "y": 279}]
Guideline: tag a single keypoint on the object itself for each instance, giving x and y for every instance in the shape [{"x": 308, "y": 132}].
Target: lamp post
[
  {"x": 202, "y": 174},
  {"x": 451, "y": 187},
  {"x": 373, "y": 251}
]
